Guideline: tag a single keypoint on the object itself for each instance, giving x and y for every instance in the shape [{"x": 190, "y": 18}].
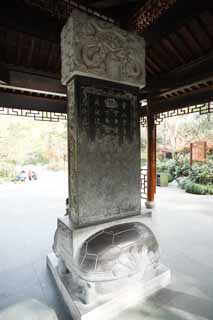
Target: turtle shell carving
[{"x": 117, "y": 252}]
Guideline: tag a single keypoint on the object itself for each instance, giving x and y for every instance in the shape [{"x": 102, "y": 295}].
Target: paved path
[
  {"x": 182, "y": 222},
  {"x": 28, "y": 213}
]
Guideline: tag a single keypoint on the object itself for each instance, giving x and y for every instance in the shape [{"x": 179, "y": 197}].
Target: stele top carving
[{"x": 95, "y": 48}]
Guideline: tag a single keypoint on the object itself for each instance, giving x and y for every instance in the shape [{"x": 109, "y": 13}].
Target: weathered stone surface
[
  {"x": 113, "y": 252},
  {"x": 30, "y": 310},
  {"x": 104, "y": 151},
  {"x": 93, "y": 47},
  {"x": 117, "y": 252},
  {"x": 106, "y": 259},
  {"x": 72, "y": 153},
  {"x": 106, "y": 300},
  {"x": 63, "y": 241}
]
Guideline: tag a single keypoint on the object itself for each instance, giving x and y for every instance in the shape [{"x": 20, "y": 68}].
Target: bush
[
  {"x": 195, "y": 188},
  {"x": 182, "y": 169},
  {"x": 182, "y": 182},
  {"x": 210, "y": 157},
  {"x": 174, "y": 168},
  {"x": 7, "y": 171},
  {"x": 202, "y": 173},
  {"x": 167, "y": 166}
]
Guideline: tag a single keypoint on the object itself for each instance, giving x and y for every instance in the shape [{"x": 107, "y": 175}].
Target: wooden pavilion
[{"x": 179, "y": 58}]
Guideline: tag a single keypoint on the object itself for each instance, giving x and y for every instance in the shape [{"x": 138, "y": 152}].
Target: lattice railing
[
  {"x": 36, "y": 115},
  {"x": 144, "y": 183},
  {"x": 159, "y": 117},
  {"x": 201, "y": 109}
]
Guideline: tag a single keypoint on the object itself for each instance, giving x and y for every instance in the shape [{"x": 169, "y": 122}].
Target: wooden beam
[
  {"x": 178, "y": 14},
  {"x": 4, "y": 74},
  {"x": 199, "y": 96},
  {"x": 197, "y": 71},
  {"x": 31, "y": 22},
  {"x": 31, "y": 50},
  {"x": 171, "y": 47},
  {"x": 21, "y": 101},
  {"x": 32, "y": 80},
  {"x": 149, "y": 12}
]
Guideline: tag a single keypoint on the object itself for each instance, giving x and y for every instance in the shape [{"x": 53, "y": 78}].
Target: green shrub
[
  {"x": 170, "y": 177},
  {"x": 210, "y": 157},
  {"x": 7, "y": 171},
  {"x": 167, "y": 166},
  {"x": 182, "y": 169},
  {"x": 202, "y": 173},
  {"x": 195, "y": 188},
  {"x": 174, "y": 168},
  {"x": 183, "y": 182}
]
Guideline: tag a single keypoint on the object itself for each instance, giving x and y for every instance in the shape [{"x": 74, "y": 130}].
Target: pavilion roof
[{"x": 178, "y": 34}]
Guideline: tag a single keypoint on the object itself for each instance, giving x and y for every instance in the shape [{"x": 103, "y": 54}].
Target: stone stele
[
  {"x": 103, "y": 151},
  {"x": 105, "y": 258},
  {"x": 93, "y": 47}
]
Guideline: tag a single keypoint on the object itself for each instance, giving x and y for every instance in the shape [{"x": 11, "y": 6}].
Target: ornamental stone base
[
  {"x": 106, "y": 268},
  {"x": 135, "y": 292}
]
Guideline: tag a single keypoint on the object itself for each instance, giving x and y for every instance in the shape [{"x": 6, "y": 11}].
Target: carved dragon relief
[{"x": 94, "y": 47}]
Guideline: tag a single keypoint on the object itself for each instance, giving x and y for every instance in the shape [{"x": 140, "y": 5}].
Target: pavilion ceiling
[{"x": 179, "y": 38}]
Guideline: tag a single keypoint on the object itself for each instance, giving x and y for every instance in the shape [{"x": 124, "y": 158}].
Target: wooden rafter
[
  {"x": 149, "y": 13},
  {"x": 180, "y": 100},
  {"x": 197, "y": 72},
  {"x": 22, "y": 101}
]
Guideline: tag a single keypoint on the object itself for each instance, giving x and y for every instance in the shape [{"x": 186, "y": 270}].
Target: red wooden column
[
  {"x": 155, "y": 155},
  {"x": 151, "y": 157}
]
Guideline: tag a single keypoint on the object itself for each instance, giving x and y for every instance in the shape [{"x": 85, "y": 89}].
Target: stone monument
[{"x": 105, "y": 258}]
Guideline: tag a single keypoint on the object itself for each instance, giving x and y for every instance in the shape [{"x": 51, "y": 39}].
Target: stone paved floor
[
  {"x": 28, "y": 217},
  {"x": 183, "y": 224}
]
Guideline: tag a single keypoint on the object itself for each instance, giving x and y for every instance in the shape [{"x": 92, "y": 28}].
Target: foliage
[
  {"x": 143, "y": 162},
  {"x": 7, "y": 171},
  {"x": 182, "y": 169},
  {"x": 210, "y": 157},
  {"x": 174, "y": 168},
  {"x": 177, "y": 133},
  {"x": 196, "y": 188},
  {"x": 198, "y": 179},
  {"x": 202, "y": 173},
  {"x": 24, "y": 141}
]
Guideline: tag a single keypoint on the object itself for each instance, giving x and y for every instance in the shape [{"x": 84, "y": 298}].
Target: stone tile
[
  {"x": 50, "y": 290},
  {"x": 193, "y": 304},
  {"x": 174, "y": 313},
  {"x": 12, "y": 281},
  {"x": 163, "y": 296},
  {"x": 202, "y": 254},
  {"x": 148, "y": 311},
  {"x": 33, "y": 291},
  {"x": 181, "y": 282},
  {"x": 28, "y": 309}
]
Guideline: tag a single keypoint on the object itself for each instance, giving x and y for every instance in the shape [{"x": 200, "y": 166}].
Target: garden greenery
[{"x": 197, "y": 179}]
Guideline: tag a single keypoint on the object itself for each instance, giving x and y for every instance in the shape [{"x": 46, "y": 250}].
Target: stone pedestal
[
  {"x": 102, "y": 248},
  {"x": 134, "y": 292}
]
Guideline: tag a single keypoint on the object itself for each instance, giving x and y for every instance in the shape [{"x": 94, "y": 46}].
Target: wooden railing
[{"x": 144, "y": 183}]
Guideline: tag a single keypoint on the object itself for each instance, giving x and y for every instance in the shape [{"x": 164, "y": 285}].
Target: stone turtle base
[{"x": 135, "y": 292}]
